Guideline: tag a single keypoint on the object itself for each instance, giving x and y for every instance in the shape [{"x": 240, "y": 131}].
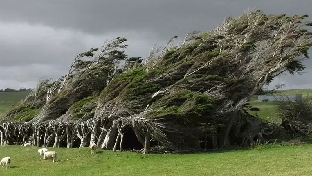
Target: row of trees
[
  {"x": 187, "y": 97},
  {"x": 15, "y": 90}
]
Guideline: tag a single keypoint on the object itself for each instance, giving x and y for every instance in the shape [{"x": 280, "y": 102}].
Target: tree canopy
[{"x": 179, "y": 94}]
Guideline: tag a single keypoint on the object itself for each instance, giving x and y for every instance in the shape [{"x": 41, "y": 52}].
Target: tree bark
[
  {"x": 1, "y": 136},
  {"x": 38, "y": 136},
  {"x": 34, "y": 137},
  {"x": 49, "y": 140},
  {"x": 45, "y": 138},
  {"x": 116, "y": 142},
  {"x": 147, "y": 144},
  {"x": 121, "y": 141},
  {"x": 82, "y": 133},
  {"x": 101, "y": 138},
  {"x": 56, "y": 141},
  {"x": 206, "y": 141},
  {"x": 110, "y": 136},
  {"x": 225, "y": 138},
  {"x": 94, "y": 131},
  {"x": 69, "y": 134},
  {"x": 137, "y": 134}
]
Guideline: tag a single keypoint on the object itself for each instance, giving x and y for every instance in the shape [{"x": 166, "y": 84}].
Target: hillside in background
[{"x": 9, "y": 99}]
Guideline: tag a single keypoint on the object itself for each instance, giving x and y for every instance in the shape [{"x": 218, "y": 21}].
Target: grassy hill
[
  {"x": 268, "y": 110},
  {"x": 8, "y": 99}
]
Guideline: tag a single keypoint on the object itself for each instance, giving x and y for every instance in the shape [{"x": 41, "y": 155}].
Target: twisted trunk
[
  {"x": 110, "y": 136},
  {"x": 95, "y": 128}
]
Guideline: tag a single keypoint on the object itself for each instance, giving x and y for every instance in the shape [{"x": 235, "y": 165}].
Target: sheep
[
  {"x": 26, "y": 144},
  {"x": 5, "y": 162},
  {"x": 50, "y": 154},
  {"x": 93, "y": 147},
  {"x": 42, "y": 151}
]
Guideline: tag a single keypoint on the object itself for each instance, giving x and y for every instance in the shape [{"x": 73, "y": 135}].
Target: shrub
[{"x": 296, "y": 117}]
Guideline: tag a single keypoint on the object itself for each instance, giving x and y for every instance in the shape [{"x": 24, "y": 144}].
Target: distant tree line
[{"x": 15, "y": 90}]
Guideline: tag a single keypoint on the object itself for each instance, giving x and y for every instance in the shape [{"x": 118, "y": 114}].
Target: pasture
[
  {"x": 8, "y": 99},
  {"x": 268, "y": 110},
  {"x": 262, "y": 160}
]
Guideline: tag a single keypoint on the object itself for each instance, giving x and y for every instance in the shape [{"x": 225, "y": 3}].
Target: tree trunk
[
  {"x": 34, "y": 137},
  {"x": 56, "y": 141},
  {"x": 49, "y": 140},
  {"x": 101, "y": 138},
  {"x": 225, "y": 138},
  {"x": 94, "y": 131},
  {"x": 1, "y": 136},
  {"x": 69, "y": 139},
  {"x": 83, "y": 131},
  {"x": 121, "y": 141},
  {"x": 206, "y": 138},
  {"x": 137, "y": 134},
  {"x": 45, "y": 138},
  {"x": 196, "y": 143},
  {"x": 110, "y": 136},
  {"x": 214, "y": 141},
  {"x": 38, "y": 137},
  {"x": 116, "y": 142},
  {"x": 147, "y": 144}
]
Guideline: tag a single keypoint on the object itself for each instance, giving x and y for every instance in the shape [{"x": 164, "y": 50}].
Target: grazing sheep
[
  {"x": 42, "y": 151},
  {"x": 93, "y": 147},
  {"x": 26, "y": 144},
  {"x": 5, "y": 161},
  {"x": 50, "y": 154}
]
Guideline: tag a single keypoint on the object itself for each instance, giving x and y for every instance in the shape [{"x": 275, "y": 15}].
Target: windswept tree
[{"x": 185, "y": 94}]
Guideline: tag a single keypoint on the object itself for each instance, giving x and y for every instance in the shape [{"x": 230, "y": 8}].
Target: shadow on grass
[{"x": 99, "y": 151}]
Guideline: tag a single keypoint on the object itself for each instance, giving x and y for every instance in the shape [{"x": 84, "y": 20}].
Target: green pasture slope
[
  {"x": 268, "y": 110},
  {"x": 263, "y": 160},
  {"x": 8, "y": 99}
]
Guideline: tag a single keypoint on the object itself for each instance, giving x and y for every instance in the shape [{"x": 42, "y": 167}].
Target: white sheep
[
  {"x": 26, "y": 144},
  {"x": 42, "y": 151},
  {"x": 50, "y": 154},
  {"x": 5, "y": 161},
  {"x": 93, "y": 147}
]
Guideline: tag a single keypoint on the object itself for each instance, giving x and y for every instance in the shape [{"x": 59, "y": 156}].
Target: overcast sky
[{"x": 40, "y": 38}]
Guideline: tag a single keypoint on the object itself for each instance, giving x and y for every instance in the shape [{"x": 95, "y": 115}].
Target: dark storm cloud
[
  {"x": 41, "y": 37},
  {"x": 164, "y": 17}
]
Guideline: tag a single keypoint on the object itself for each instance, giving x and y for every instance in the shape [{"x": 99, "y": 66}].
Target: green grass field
[
  {"x": 268, "y": 110},
  {"x": 269, "y": 160},
  {"x": 8, "y": 99}
]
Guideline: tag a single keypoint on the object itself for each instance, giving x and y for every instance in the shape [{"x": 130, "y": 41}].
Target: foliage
[
  {"x": 297, "y": 117},
  {"x": 203, "y": 83},
  {"x": 186, "y": 103},
  {"x": 82, "y": 107},
  {"x": 25, "y": 113}
]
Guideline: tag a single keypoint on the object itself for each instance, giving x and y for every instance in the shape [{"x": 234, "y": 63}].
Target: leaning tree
[{"x": 185, "y": 97}]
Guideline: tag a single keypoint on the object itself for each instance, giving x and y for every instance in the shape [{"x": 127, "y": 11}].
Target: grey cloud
[
  {"x": 41, "y": 37},
  {"x": 164, "y": 17},
  {"x": 30, "y": 53}
]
